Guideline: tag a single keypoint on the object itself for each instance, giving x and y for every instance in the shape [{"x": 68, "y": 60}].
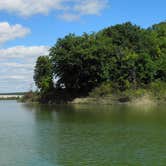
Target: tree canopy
[
  {"x": 43, "y": 74},
  {"x": 126, "y": 55}
]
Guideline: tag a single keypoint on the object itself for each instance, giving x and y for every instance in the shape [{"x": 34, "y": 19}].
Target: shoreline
[
  {"x": 145, "y": 100},
  {"x": 12, "y": 98}
]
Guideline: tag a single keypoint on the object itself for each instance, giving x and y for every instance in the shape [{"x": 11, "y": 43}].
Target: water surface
[{"x": 81, "y": 135}]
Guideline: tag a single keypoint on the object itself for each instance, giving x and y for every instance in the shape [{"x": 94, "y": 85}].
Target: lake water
[{"x": 81, "y": 135}]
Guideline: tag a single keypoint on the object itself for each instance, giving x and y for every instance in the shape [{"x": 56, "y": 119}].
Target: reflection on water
[{"x": 81, "y": 135}]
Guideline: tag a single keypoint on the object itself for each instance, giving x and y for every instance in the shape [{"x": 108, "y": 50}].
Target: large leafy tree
[
  {"x": 43, "y": 75},
  {"x": 81, "y": 63},
  {"x": 160, "y": 31}
]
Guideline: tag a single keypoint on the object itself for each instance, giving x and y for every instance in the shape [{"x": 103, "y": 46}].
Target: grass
[{"x": 106, "y": 93}]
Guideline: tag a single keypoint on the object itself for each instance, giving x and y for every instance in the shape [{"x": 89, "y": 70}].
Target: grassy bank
[
  {"x": 107, "y": 94},
  {"x": 142, "y": 100}
]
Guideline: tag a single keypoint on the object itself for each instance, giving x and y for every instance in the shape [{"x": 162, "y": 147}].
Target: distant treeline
[
  {"x": 14, "y": 93},
  {"x": 125, "y": 56}
]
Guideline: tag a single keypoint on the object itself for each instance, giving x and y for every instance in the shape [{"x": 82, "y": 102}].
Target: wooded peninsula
[{"x": 121, "y": 62}]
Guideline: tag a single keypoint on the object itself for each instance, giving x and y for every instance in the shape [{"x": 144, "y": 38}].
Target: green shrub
[
  {"x": 135, "y": 93},
  {"x": 105, "y": 89},
  {"x": 158, "y": 89},
  {"x": 30, "y": 97}
]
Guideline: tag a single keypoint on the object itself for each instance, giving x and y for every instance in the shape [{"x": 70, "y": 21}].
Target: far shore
[{"x": 10, "y": 97}]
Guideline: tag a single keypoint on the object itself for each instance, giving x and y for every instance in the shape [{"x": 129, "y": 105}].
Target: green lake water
[{"x": 82, "y": 135}]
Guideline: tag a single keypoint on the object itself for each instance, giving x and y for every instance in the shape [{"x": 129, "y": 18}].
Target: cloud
[
  {"x": 17, "y": 65},
  {"x": 65, "y": 7},
  {"x": 10, "y": 32},
  {"x": 90, "y": 7},
  {"x": 69, "y": 17},
  {"x": 23, "y": 52},
  {"x": 30, "y": 7}
]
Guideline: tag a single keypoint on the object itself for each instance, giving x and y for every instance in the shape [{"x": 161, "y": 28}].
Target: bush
[
  {"x": 30, "y": 97},
  {"x": 132, "y": 94},
  {"x": 135, "y": 93},
  {"x": 105, "y": 89},
  {"x": 158, "y": 89}
]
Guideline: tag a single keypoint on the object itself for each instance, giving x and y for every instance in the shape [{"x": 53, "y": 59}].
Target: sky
[{"x": 28, "y": 28}]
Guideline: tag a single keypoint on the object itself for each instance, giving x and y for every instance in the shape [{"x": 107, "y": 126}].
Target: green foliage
[
  {"x": 43, "y": 74},
  {"x": 80, "y": 63},
  {"x": 136, "y": 93},
  {"x": 125, "y": 35},
  {"x": 161, "y": 67},
  {"x": 126, "y": 55},
  {"x": 30, "y": 97},
  {"x": 105, "y": 89},
  {"x": 146, "y": 69},
  {"x": 158, "y": 89}
]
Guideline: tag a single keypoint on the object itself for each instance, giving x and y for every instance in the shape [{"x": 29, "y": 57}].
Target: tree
[
  {"x": 80, "y": 63},
  {"x": 43, "y": 74}
]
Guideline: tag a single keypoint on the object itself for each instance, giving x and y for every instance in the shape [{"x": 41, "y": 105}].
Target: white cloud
[
  {"x": 10, "y": 32},
  {"x": 30, "y": 7},
  {"x": 23, "y": 52},
  {"x": 91, "y": 7},
  {"x": 69, "y": 17},
  {"x": 27, "y": 8},
  {"x": 17, "y": 65}
]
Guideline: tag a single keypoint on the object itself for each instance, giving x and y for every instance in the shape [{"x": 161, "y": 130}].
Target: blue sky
[{"x": 29, "y": 28}]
